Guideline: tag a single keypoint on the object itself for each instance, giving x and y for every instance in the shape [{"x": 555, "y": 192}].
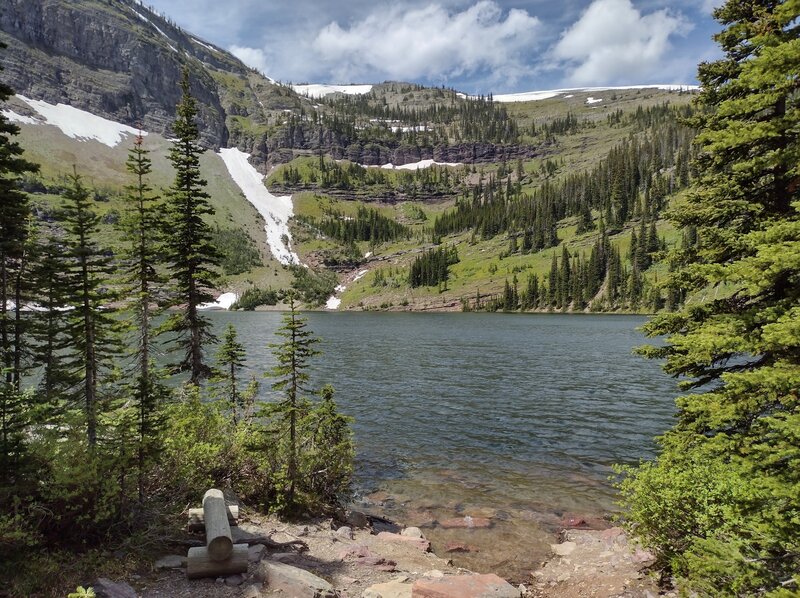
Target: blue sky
[{"x": 476, "y": 46}]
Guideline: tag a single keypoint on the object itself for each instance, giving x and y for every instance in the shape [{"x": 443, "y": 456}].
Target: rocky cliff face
[{"x": 117, "y": 59}]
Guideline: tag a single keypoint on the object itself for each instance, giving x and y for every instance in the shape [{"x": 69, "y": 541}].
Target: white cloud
[
  {"x": 405, "y": 42},
  {"x": 710, "y": 5},
  {"x": 252, "y": 57},
  {"x": 613, "y": 42}
]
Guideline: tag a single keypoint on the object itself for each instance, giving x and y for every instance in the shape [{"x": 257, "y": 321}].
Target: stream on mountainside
[{"x": 511, "y": 418}]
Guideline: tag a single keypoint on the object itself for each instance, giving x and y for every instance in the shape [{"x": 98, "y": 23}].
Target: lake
[{"x": 513, "y": 417}]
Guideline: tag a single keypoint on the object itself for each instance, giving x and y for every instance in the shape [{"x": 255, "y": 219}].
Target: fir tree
[
  {"x": 231, "y": 358},
  {"x": 191, "y": 256},
  {"x": 89, "y": 324},
  {"x": 720, "y": 503},
  {"x": 142, "y": 227},
  {"x": 293, "y": 355},
  {"x": 14, "y": 228}
]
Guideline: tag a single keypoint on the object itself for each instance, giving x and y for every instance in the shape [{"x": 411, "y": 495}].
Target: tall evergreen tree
[
  {"x": 143, "y": 231},
  {"x": 14, "y": 227},
  {"x": 720, "y": 505},
  {"x": 89, "y": 323},
  {"x": 293, "y": 355},
  {"x": 191, "y": 256},
  {"x": 231, "y": 359}
]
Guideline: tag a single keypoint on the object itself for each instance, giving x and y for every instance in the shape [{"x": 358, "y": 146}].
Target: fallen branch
[{"x": 298, "y": 545}]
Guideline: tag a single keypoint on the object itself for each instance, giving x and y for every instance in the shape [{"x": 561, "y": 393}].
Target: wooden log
[
  {"x": 197, "y": 521},
  {"x": 200, "y": 564},
  {"x": 218, "y": 532}
]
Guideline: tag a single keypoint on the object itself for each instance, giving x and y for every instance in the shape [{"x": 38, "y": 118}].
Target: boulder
[
  {"x": 390, "y": 589},
  {"x": 356, "y": 519},
  {"x": 418, "y": 543},
  {"x": 105, "y": 588},
  {"x": 412, "y": 532},
  {"x": 298, "y": 583},
  {"x": 171, "y": 561},
  {"x": 464, "y": 586}
]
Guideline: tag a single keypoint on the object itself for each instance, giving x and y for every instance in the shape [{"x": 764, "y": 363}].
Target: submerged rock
[{"x": 466, "y": 522}]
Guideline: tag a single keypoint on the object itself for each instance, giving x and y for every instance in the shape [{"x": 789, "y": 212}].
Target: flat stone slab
[
  {"x": 295, "y": 582},
  {"x": 464, "y": 586},
  {"x": 171, "y": 561},
  {"x": 390, "y": 589}
]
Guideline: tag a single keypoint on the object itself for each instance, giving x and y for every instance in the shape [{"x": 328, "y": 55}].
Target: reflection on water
[{"x": 463, "y": 413}]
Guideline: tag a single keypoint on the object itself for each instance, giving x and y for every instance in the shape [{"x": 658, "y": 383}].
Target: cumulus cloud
[
  {"x": 613, "y": 42},
  {"x": 411, "y": 43},
  {"x": 252, "y": 57}
]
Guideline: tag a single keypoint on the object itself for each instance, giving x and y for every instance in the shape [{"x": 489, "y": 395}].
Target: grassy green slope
[
  {"x": 103, "y": 169},
  {"x": 482, "y": 268}
]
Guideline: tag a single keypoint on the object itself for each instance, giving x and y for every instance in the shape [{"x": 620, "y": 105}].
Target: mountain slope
[{"x": 119, "y": 60}]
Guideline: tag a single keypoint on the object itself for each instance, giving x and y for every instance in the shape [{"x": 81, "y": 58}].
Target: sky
[{"x": 475, "y": 46}]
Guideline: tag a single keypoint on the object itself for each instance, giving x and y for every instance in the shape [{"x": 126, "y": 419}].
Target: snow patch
[
  {"x": 205, "y": 45},
  {"x": 18, "y": 118},
  {"x": 591, "y": 100},
  {"x": 333, "y": 301},
  {"x": 80, "y": 125},
  {"x": 317, "y": 90},
  {"x": 421, "y": 164},
  {"x": 224, "y": 301},
  {"x": 154, "y": 26},
  {"x": 533, "y": 96},
  {"x": 276, "y": 211}
]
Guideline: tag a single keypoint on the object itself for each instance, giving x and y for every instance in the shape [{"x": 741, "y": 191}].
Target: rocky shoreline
[{"x": 360, "y": 555}]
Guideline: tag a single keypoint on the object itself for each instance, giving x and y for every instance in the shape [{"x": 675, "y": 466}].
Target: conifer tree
[
  {"x": 89, "y": 324},
  {"x": 720, "y": 503},
  {"x": 143, "y": 231},
  {"x": 191, "y": 256},
  {"x": 48, "y": 323},
  {"x": 14, "y": 228},
  {"x": 293, "y": 355},
  {"x": 231, "y": 359}
]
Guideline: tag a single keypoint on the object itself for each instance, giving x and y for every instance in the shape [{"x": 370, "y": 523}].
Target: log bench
[{"x": 220, "y": 556}]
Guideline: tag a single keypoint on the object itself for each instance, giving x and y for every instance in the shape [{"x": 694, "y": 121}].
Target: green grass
[{"x": 103, "y": 169}]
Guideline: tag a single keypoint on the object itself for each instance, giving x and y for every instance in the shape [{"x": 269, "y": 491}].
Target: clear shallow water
[{"x": 518, "y": 417}]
